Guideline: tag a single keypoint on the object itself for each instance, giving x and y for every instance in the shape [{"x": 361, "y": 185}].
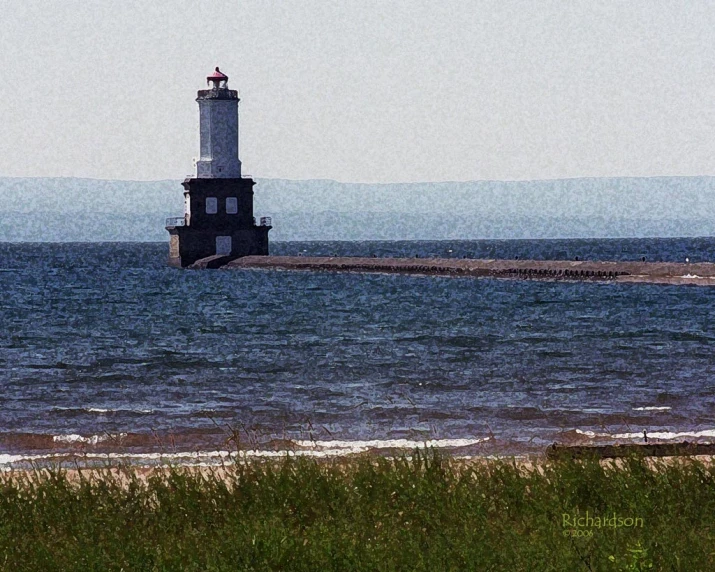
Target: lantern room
[{"x": 217, "y": 80}]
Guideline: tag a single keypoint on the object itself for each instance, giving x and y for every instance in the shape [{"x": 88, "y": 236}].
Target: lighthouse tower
[{"x": 218, "y": 223}]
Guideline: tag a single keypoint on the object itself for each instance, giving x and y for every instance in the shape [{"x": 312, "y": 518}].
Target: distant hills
[{"x": 68, "y": 209}]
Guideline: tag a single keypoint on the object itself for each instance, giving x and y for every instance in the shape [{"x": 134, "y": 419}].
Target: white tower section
[{"x": 218, "y": 128}]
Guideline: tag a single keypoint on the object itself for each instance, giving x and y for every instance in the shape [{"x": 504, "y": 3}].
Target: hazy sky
[{"x": 370, "y": 91}]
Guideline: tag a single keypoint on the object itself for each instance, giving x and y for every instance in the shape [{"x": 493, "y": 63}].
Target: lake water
[{"x": 104, "y": 350}]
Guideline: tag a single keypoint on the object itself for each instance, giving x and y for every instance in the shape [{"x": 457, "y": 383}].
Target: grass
[{"x": 420, "y": 513}]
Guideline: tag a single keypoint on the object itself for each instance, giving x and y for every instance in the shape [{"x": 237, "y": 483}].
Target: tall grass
[{"x": 420, "y": 513}]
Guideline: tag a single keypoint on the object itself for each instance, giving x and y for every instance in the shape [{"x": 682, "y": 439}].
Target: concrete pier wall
[{"x": 702, "y": 273}]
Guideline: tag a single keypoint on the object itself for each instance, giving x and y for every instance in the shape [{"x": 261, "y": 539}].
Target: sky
[{"x": 362, "y": 91}]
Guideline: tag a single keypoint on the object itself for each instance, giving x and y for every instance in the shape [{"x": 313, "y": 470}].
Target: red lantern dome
[{"x": 217, "y": 78}]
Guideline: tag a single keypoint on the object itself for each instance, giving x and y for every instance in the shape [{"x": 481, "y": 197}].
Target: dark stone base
[
  {"x": 210, "y": 263},
  {"x": 187, "y": 245}
]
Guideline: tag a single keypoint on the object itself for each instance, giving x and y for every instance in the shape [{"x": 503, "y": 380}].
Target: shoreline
[
  {"x": 486, "y": 449},
  {"x": 230, "y": 467}
]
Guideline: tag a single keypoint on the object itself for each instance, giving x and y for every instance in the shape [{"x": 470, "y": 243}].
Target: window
[
  {"x": 223, "y": 245},
  {"x": 211, "y": 205},
  {"x": 231, "y": 205}
]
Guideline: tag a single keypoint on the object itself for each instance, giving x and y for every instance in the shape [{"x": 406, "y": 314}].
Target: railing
[
  {"x": 266, "y": 221},
  {"x": 176, "y": 221}
]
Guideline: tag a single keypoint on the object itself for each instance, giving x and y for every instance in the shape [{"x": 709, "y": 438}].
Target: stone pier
[{"x": 700, "y": 273}]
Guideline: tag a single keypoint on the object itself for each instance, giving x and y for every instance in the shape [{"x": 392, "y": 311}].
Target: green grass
[{"x": 424, "y": 513}]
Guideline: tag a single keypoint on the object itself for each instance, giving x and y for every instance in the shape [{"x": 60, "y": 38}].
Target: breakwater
[{"x": 701, "y": 273}]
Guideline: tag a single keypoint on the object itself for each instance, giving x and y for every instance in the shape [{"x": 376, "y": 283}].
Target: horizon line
[{"x": 443, "y": 182}]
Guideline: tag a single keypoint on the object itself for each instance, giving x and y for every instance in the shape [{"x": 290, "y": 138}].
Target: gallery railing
[{"x": 176, "y": 221}]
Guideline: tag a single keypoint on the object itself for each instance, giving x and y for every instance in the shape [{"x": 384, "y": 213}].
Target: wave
[
  {"x": 118, "y": 410},
  {"x": 194, "y": 458},
  {"x": 7, "y": 460},
  {"x": 661, "y": 435},
  {"x": 652, "y": 408},
  {"x": 197, "y": 458},
  {"x": 388, "y": 444},
  {"x": 102, "y": 410},
  {"x": 314, "y": 449},
  {"x": 91, "y": 440}
]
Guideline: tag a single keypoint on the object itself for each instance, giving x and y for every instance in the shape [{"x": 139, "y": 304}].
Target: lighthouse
[{"x": 218, "y": 223}]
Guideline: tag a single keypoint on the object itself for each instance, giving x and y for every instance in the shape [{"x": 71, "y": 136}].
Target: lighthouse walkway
[{"x": 701, "y": 273}]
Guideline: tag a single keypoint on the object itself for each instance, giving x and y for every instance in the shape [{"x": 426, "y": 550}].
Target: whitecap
[
  {"x": 661, "y": 435},
  {"x": 91, "y": 440},
  {"x": 194, "y": 458},
  {"x": 651, "y": 408},
  {"x": 313, "y": 449},
  {"x": 390, "y": 443},
  {"x": 119, "y": 410}
]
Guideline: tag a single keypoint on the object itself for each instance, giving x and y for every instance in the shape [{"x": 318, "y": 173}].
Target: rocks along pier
[{"x": 697, "y": 273}]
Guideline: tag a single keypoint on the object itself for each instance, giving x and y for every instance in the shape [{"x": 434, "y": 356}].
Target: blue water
[{"x": 105, "y": 339}]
